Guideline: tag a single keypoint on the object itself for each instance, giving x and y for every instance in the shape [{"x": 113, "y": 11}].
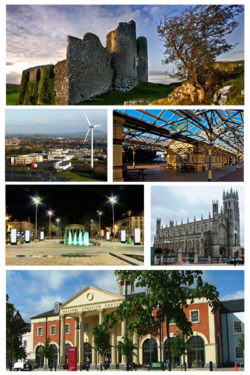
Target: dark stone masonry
[{"x": 91, "y": 69}]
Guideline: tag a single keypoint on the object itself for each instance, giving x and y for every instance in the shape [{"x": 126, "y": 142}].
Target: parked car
[
  {"x": 25, "y": 365},
  {"x": 235, "y": 260}
]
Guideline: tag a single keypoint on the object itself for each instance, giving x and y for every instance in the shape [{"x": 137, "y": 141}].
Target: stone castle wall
[
  {"x": 91, "y": 69},
  {"x": 34, "y": 73}
]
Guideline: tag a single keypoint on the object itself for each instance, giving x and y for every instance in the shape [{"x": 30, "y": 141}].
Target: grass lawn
[
  {"x": 76, "y": 176},
  {"x": 145, "y": 91},
  {"x": 11, "y": 98}
]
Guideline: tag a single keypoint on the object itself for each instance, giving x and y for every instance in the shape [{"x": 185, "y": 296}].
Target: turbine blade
[
  {"x": 87, "y": 118},
  {"x": 96, "y": 126},
  {"x": 87, "y": 134}
]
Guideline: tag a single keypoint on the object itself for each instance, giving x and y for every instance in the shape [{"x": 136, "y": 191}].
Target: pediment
[{"x": 91, "y": 296}]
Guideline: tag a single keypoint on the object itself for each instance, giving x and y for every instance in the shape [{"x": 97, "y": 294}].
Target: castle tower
[
  {"x": 142, "y": 59},
  {"x": 122, "y": 44},
  {"x": 128, "y": 286}
]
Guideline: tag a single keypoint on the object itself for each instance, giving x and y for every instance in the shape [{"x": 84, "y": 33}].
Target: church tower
[{"x": 232, "y": 211}]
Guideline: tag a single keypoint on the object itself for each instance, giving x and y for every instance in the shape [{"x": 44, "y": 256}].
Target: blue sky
[
  {"x": 53, "y": 121},
  {"x": 34, "y": 292},
  {"x": 37, "y": 34},
  {"x": 182, "y": 202}
]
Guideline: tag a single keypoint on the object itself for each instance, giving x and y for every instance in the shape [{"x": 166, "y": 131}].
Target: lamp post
[
  {"x": 166, "y": 242},
  {"x": 37, "y": 201},
  {"x": 113, "y": 200},
  {"x": 57, "y": 223},
  {"x": 50, "y": 213},
  {"x": 99, "y": 213}
]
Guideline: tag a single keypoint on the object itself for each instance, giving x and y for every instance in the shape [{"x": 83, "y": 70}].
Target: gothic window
[
  {"x": 198, "y": 228},
  {"x": 198, "y": 245},
  {"x": 222, "y": 234}
]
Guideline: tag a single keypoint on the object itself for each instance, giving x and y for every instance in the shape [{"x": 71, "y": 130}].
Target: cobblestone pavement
[
  {"x": 157, "y": 174},
  {"x": 54, "y": 253},
  {"x": 238, "y": 176}
]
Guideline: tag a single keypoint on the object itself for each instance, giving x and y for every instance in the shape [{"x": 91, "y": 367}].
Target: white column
[
  {"x": 93, "y": 352},
  {"x": 62, "y": 359},
  {"x": 135, "y": 342},
  {"x": 123, "y": 329},
  {"x": 113, "y": 350},
  {"x": 81, "y": 339},
  {"x": 76, "y": 342},
  {"x": 100, "y": 322}
]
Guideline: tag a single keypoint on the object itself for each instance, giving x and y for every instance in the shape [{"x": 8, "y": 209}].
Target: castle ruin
[{"x": 91, "y": 69}]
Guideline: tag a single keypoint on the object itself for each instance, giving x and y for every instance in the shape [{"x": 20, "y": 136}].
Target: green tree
[
  {"x": 101, "y": 339},
  {"x": 194, "y": 39},
  {"x": 170, "y": 293},
  {"x": 46, "y": 88},
  {"x": 47, "y": 350},
  {"x": 127, "y": 347},
  {"x": 241, "y": 341},
  {"x": 179, "y": 345}
]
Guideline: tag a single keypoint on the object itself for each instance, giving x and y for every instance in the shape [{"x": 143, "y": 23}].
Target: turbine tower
[{"x": 91, "y": 127}]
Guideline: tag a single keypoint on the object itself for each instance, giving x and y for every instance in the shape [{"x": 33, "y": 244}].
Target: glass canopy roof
[{"x": 159, "y": 129}]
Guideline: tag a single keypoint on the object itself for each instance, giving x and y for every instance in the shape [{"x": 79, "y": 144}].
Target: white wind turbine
[{"x": 91, "y": 127}]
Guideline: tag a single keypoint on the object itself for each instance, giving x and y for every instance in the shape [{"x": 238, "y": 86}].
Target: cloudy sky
[
  {"x": 34, "y": 292},
  {"x": 182, "y": 202},
  {"x": 37, "y": 34},
  {"x": 53, "y": 121}
]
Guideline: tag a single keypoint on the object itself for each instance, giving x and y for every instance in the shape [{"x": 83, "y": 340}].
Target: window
[
  {"x": 238, "y": 353},
  {"x": 195, "y": 316},
  {"x": 172, "y": 321},
  {"x": 67, "y": 329},
  {"x": 237, "y": 327},
  {"x": 39, "y": 331},
  {"x": 25, "y": 343},
  {"x": 86, "y": 327},
  {"x": 53, "y": 330}
]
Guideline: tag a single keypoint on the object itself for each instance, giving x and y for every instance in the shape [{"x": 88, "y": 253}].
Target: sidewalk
[{"x": 234, "y": 176}]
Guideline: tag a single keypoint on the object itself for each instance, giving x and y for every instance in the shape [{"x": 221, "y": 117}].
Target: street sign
[
  {"x": 13, "y": 236},
  {"x": 156, "y": 365},
  {"x": 123, "y": 236},
  {"x": 137, "y": 236},
  {"x": 235, "y": 249},
  {"x": 178, "y": 128},
  {"x": 27, "y": 236}
]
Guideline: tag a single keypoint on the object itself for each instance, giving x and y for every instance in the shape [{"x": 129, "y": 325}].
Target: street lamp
[
  {"x": 78, "y": 328},
  {"x": 57, "y": 223},
  {"x": 113, "y": 200},
  {"x": 37, "y": 201},
  {"x": 99, "y": 213},
  {"x": 50, "y": 213}
]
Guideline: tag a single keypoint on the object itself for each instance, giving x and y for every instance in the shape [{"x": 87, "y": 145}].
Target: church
[
  {"x": 69, "y": 325},
  {"x": 216, "y": 236}
]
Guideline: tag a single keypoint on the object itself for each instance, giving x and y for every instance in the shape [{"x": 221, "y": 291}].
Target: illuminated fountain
[
  {"x": 86, "y": 239},
  {"x": 80, "y": 242},
  {"x": 70, "y": 238},
  {"x": 75, "y": 239}
]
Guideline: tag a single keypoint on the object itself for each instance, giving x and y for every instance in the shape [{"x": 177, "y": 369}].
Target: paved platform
[
  {"x": 157, "y": 174},
  {"x": 238, "y": 176},
  {"x": 199, "y": 265},
  {"x": 54, "y": 253}
]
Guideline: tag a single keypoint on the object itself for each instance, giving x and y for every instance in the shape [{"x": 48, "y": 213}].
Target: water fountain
[
  {"x": 86, "y": 239},
  {"x": 75, "y": 239},
  {"x": 80, "y": 242},
  {"x": 70, "y": 238}
]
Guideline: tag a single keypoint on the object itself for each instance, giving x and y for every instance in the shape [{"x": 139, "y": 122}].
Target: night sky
[{"x": 72, "y": 200}]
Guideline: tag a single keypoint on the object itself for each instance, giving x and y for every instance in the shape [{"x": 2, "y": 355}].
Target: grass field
[
  {"x": 11, "y": 94},
  {"x": 145, "y": 91},
  {"x": 77, "y": 176}
]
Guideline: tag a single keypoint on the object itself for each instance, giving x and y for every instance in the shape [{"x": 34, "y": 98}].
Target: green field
[
  {"x": 77, "y": 176},
  {"x": 145, "y": 91},
  {"x": 11, "y": 94}
]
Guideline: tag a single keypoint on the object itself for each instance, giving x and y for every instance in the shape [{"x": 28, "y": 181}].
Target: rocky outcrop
[
  {"x": 186, "y": 92},
  {"x": 221, "y": 96}
]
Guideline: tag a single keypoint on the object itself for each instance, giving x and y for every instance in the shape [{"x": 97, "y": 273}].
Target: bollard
[
  {"x": 210, "y": 366},
  {"x": 55, "y": 366},
  {"x": 185, "y": 366}
]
